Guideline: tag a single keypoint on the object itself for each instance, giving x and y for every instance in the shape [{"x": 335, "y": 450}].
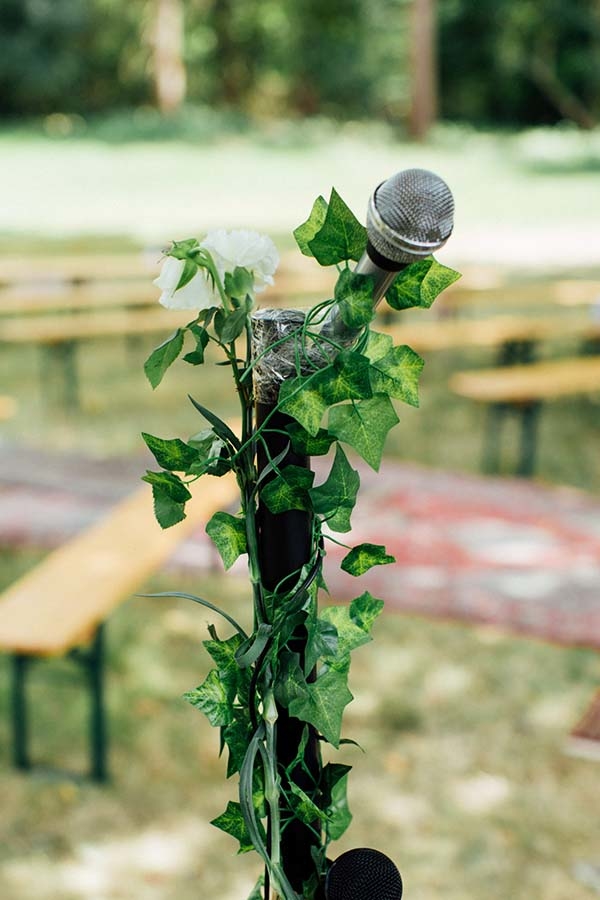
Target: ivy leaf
[
  {"x": 221, "y": 428},
  {"x": 364, "y": 425},
  {"x": 301, "y": 399},
  {"x": 162, "y": 357},
  {"x": 378, "y": 345},
  {"x": 365, "y": 609},
  {"x": 350, "y": 634},
  {"x": 169, "y": 484},
  {"x": 305, "y": 809},
  {"x": 323, "y": 702},
  {"x": 341, "y": 237},
  {"x": 232, "y": 822},
  {"x": 223, "y": 653},
  {"x": 354, "y": 296},
  {"x": 237, "y": 736},
  {"x": 397, "y": 374},
  {"x": 347, "y": 378},
  {"x": 322, "y": 642},
  {"x": 336, "y": 497},
  {"x": 212, "y": 456},
  {"x": 228, "y": 534},
  {"x": 334, "y": 784},
  {"x": 289, "y": 490},
  {"x": 419, "y": 284},
  {"x": 305, "y": 233},
  {"x": 170, "y": 496},
  {"x": 364, "y": 557},
  {"x": 171, "y": 454},
  {"x": 307, "y": 444},
  {"x": 212, "y": 699}
]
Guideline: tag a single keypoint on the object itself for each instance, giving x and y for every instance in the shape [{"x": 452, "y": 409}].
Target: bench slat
[
  {"x": 536, "y": 381},
  {"x": 59, "y": 603}
]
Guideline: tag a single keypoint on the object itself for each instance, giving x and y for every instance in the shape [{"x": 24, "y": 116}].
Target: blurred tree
[
  {"x": 526, "y": 62},
  {"x": 423, "y": 68},
  {"x": 168, "y": 62}
]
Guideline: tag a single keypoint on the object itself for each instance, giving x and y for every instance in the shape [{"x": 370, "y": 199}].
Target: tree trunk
[
  {"x": 169, "y": 68},
  {"x": 423, "y": 69}
]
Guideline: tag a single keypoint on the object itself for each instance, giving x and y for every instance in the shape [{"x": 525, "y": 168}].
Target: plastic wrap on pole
[{"x": 277, "y": 341}]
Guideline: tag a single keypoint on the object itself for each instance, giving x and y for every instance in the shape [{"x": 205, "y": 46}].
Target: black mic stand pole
[{"x": 284, "y": 547}]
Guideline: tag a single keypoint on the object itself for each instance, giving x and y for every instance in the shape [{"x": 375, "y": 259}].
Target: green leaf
[
  {"x": 169, "y": 484},
  {"x": 338, "y": 812},
  {"x": 212, "y": 456},
  {"x": 397, "y": 374},
  {"x": 305, "y": 809},
  {"x": 257, "y": 893},
  {"x": 354, "y": 296},
  {"x": 305, "y": 233},
  {"x": 162, "y": 357},
  {"x": 289, "y": 490},
  {"x": 196, "y": 357},
  {"x": 419, "y": 284},
  {"x": 347, "y": 378},
  {"x": 378, "y": 345},
  {"x": 228, "y": 533},
  {"x": 211, "y": 697},
  {"x": 364, "y": 425},
  {"x": 170, "y": 496},
  {"x": 322, "y": 642},
  {"x": 235, "y": 681},
  {"x": 190, "y": 268},
  {"x": 172, "y": 454},
  {"x": 168, "y": 512},
  {"x": 350, "y": 634},
  {"x": 239, "y": 283},
  {"x": 237, "y": 737},
  {"x": 301, "y": 399},
  {"x": 364, "y": 557},
  {"x": 233, "y": 325},
  {"x": 365, "y": 609},
  {"x": 323, "y": 703},
  {"x": 232, "y": 822},
  {"x": 336, "y": 497},
  {"x": 307, "y": 444},
  {"x": 221, "y": 428},
  {"x": 341, "y": 237}
]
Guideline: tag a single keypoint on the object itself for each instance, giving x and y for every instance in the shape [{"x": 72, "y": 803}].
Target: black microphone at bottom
[{"x": 363, "y": 874}]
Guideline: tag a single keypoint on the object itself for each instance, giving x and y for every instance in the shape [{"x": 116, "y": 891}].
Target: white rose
[
  {"x": 196, "y": 294},
  {"x": 248, "y": 249}
]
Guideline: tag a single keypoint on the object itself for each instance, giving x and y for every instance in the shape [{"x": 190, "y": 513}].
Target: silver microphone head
[{"x": 410, "y": 216}]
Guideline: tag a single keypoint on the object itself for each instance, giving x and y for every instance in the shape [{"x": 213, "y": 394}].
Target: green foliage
[{"x": 256, "y": 676}]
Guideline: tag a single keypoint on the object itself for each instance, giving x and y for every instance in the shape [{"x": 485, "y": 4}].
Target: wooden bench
[
  {"x": 522, "y": 295},
  {"x": 59, "y": 607},
  {"x": 523, "y": 389}
]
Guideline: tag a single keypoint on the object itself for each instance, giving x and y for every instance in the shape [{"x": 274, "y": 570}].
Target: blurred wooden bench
[
  {"x": 8, "y": 407},
  {"x": 59, "y": 607},
  {"x": 524, "y": 389}
]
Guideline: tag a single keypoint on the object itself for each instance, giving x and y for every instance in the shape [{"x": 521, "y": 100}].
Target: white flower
[
  {"x": 248, "y": 249},
  {"x": 196, "y": 294}
]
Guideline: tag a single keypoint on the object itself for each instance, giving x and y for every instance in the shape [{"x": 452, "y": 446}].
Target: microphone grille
[
  {"x": 410, "y": 215},
  {"x": 363, "y": 874}
]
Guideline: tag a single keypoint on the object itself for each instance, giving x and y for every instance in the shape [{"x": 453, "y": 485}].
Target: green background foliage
[{"x": 500, "y": 62}]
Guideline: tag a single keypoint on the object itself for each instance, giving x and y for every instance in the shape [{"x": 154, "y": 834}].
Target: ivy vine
[{"x": 337, "y": 396}]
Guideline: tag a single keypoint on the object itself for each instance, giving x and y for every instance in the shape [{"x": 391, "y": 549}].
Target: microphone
[
  {"x": 363, "y": 874},
  {"x": 409, "y": 216}
]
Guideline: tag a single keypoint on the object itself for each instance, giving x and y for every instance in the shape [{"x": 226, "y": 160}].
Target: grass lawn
[{"x": 463, "y": 781}]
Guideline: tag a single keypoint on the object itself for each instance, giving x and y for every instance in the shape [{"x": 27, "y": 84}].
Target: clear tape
[{"x": 276, "y": 344}]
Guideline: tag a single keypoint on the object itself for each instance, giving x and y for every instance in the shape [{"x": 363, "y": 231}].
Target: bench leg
[
  {"x": 19, "y": 712},
  {"x": 529, "y": 420},
  {"x": 493, "y": 435},
  {"x": 98, "y": 731}
]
